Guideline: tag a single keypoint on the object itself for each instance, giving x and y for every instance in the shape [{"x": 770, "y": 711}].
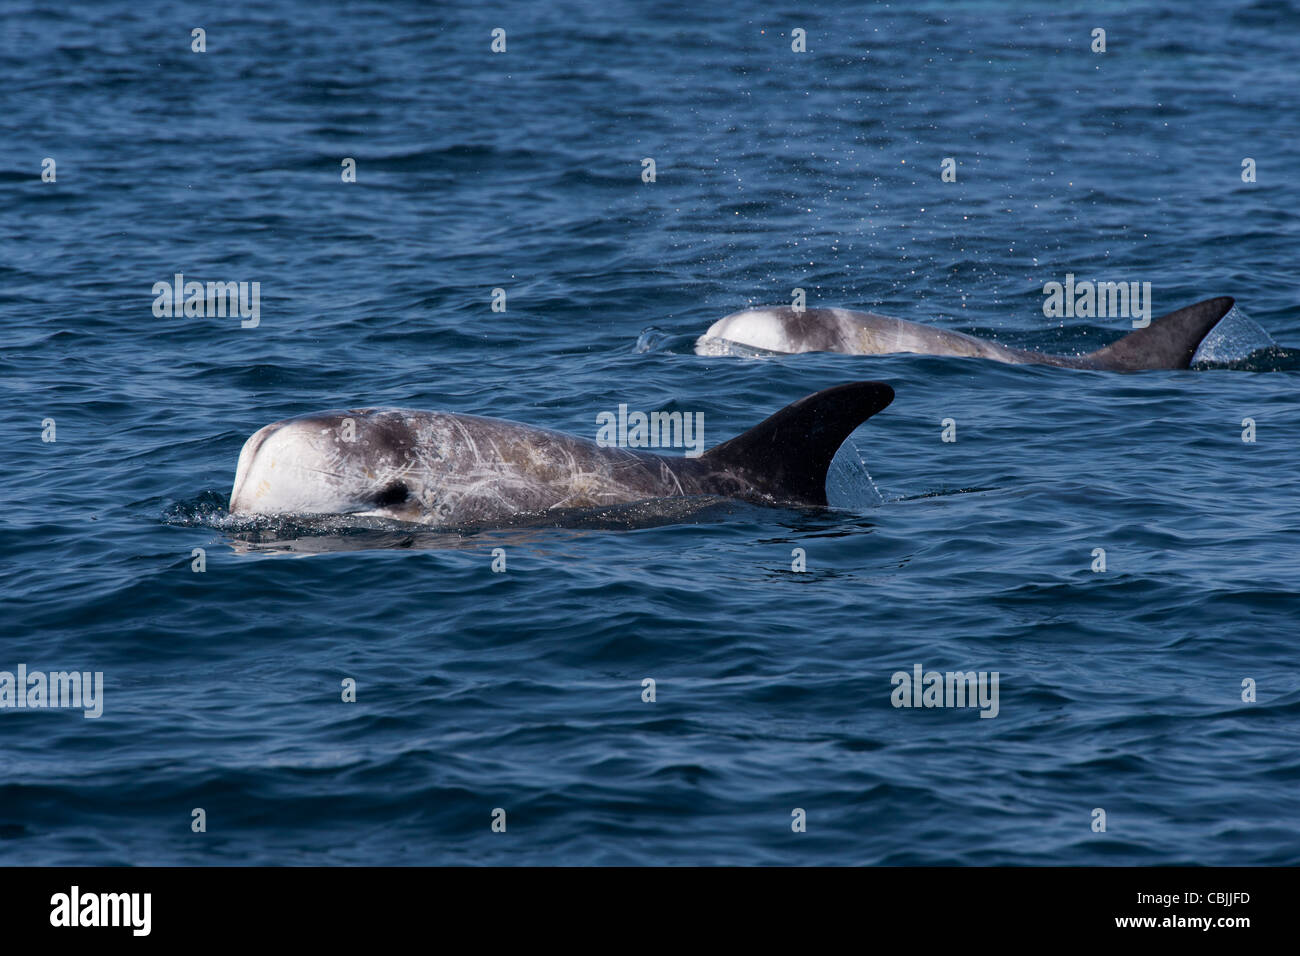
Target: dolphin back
[
  {"x": 1168, "y": 342},
  {"x": 786, "y": 457}
]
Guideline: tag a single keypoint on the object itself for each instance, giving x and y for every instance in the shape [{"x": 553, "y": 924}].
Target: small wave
[
  {"x": 1275, "y": 358},
  {"x": 315, "y": 534}
]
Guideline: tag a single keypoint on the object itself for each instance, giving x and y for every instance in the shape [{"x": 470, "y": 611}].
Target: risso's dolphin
[
  {"x": 1168, "y": 342},
  {"x": 439, "y": 468}
]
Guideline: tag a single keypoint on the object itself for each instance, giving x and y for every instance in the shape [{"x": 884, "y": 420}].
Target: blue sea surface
[{"x": 522, "y": 691}]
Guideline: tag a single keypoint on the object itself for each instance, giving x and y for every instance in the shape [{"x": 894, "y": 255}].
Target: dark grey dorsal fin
[
  {"x": 1168, "y": 342},
  {"x": 787, "y": 456}
]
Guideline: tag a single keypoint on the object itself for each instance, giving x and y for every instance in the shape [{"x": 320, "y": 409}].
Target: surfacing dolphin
[
  {"x": 439, "y": 468},
  {"x": 1168, "y": 342}
]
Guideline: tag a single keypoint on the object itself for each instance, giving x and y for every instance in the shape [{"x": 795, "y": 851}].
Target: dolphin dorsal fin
[
  {"x": 1168, "y": 342},
  {"x": 787, "y": 455}
]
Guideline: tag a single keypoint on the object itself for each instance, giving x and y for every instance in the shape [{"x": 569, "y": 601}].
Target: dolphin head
[
  {"x": 778, "y": 329},
  {"x": 344, "y": 462}
]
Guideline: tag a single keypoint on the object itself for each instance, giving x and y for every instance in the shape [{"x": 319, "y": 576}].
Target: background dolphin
[
  {"x": 1168, "y": 342},
  {"x": 438, "y": 468}
]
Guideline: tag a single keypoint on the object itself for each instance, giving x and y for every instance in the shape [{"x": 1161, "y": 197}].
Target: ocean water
[{"x": 521, "y": 691}]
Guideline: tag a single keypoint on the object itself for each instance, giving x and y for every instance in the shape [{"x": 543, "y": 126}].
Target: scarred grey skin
[
  {"x": 1168, "y": 342},
  {"x": 440, "y": 468}
]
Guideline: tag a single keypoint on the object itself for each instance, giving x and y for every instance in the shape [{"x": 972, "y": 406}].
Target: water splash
[
  {"x": 849, "y": 484},
  {"x": 713, "y": 347},
  {"x": 1236, "y": 337},
  {"x": 651, "y": 339}
]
